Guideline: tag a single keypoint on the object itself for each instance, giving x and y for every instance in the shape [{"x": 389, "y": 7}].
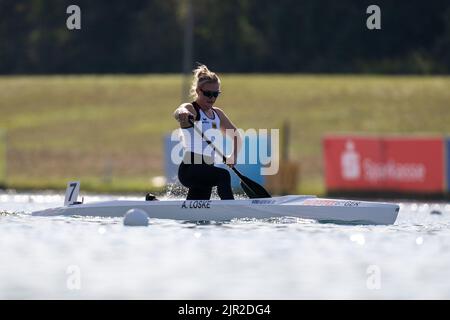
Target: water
[{"x": 98, "y": 258}]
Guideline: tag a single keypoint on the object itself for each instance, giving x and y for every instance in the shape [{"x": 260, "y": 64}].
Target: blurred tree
[
  {"x": 232, "y": 36},
  {"x": 442, "y": 49}
]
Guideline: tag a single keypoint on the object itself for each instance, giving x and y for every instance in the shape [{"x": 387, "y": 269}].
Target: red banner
[{"x": 384, "y": 164}]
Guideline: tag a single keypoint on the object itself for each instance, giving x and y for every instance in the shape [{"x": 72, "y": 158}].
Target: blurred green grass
[{"x": 91, "y": 127}]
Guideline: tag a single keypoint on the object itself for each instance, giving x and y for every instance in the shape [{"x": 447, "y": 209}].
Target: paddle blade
[
  {"x": 253, "y": 189},
  {"x": 248, "y": 191}
]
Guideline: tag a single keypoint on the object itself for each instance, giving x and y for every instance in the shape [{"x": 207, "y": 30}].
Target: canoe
[{"x": 300, "y": 206}]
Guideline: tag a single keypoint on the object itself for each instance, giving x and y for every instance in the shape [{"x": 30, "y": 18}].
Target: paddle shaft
[
  {"x": 209, "y": 142},
  {"x": 251, "y": 188}
]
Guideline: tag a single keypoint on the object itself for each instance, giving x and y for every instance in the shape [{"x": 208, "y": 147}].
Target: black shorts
[{"x": 201, "y": 177}]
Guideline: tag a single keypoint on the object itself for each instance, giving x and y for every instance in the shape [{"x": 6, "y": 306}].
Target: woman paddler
[{"x": 197, "y": 171}]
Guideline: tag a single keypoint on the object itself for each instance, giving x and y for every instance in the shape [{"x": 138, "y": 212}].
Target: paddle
[{"x": 250, "y": 187}]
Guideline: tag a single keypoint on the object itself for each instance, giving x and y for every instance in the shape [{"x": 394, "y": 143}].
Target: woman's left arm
[{"x": 228, "y": 128}]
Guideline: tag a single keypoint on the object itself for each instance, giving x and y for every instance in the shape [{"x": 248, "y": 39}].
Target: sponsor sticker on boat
[
  {"x": 329, "y": 202},
  {"x": 196, "y": 204},
  {"x": 263, "y": 201}
]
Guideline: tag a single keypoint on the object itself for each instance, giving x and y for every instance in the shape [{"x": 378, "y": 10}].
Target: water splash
[{"x": 175, "y": 191}]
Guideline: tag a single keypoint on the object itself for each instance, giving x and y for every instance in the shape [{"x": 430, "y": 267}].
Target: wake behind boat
[{"x": 305, "y": 207}]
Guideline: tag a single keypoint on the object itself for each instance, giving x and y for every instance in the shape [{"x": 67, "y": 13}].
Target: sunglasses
[{"x": 210, "y": 94}]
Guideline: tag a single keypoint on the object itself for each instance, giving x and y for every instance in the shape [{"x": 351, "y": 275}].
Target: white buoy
[{"x": 136, "y": 217}]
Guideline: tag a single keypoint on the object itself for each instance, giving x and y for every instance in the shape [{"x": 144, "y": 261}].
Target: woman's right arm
[{"x": 182, "y": 114}]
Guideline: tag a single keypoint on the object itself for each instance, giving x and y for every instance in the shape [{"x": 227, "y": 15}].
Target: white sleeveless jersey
[{"x": 193, "y": 141}]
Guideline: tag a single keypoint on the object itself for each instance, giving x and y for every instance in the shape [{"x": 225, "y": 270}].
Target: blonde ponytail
[{"x": 202, "y": 75}]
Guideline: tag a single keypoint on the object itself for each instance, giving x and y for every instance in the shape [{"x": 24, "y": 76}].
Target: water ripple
[{"x": 278, "y": 258}]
